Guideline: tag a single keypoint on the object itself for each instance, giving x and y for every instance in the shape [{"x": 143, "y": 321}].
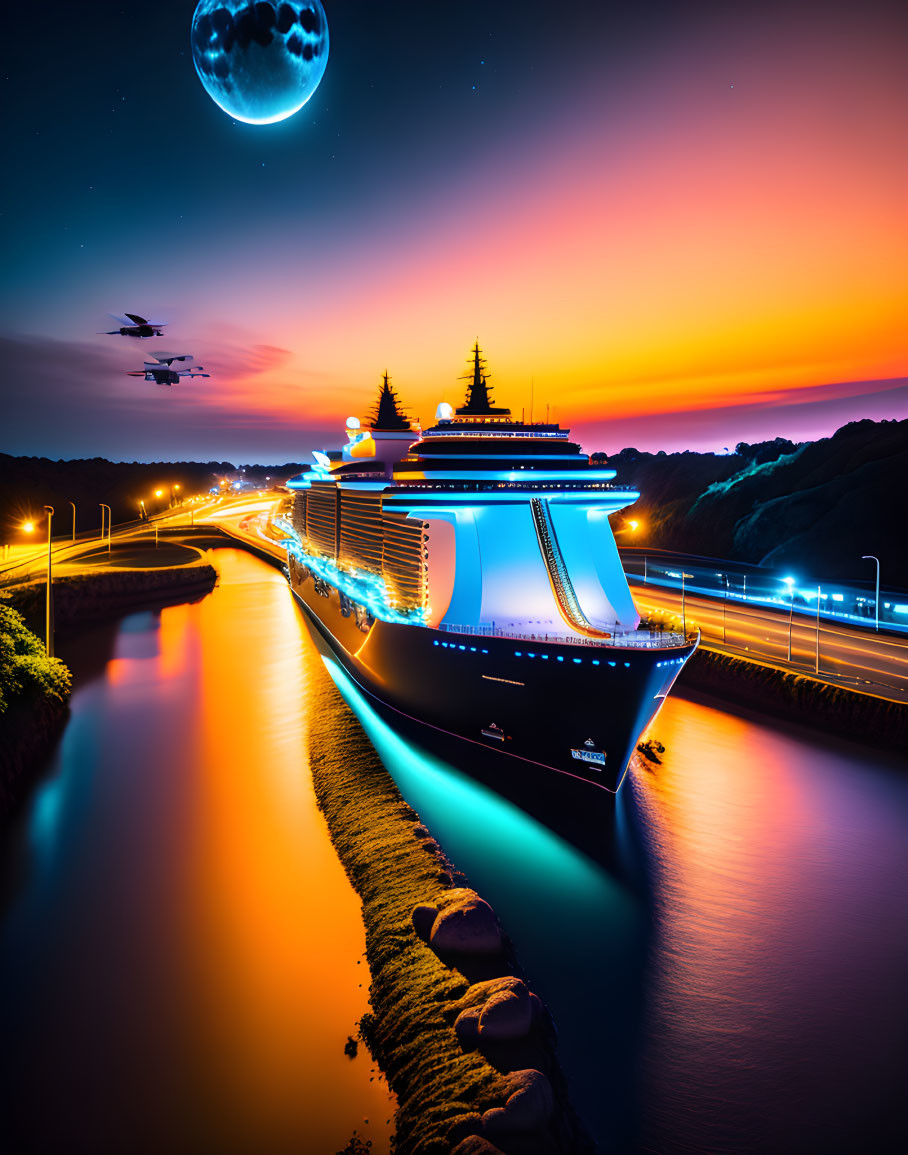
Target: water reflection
[
  {"x": 180, "y": 946},
  {"x": 777, "y": 1013},
  {"x": 175, "y": 902}
]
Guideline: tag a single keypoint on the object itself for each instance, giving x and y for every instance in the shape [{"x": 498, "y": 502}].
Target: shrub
[{"x": 25, "y": 669}]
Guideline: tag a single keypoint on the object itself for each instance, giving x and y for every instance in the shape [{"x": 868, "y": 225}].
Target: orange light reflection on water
[{"x": 273, "y": 930}]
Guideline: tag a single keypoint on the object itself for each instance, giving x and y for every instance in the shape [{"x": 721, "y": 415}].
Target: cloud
[
  {"x": 237, "y": 362},
  {"x": 73, "y": 399},
  {"x": 802, "y": 415}
]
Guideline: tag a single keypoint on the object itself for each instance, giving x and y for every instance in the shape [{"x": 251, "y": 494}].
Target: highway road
[
  {"x": 851, "y": 656},
  {"x": 89, "y": 550},
  {"x": 850, "y": 603},
  {"x": 247, "y": 519}
]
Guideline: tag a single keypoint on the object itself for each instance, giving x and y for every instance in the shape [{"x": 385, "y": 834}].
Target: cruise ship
[{"x": 466, "y": 576}]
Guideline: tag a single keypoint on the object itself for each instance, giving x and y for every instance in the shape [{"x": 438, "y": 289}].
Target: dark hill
[
  {"x": 816, "y": 507},
  {"x": 27, "y": 484}
]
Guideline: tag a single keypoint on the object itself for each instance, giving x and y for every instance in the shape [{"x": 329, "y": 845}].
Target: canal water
[
  {"x": 180, "y": 950},
  {"x": 181, "y": 954}
]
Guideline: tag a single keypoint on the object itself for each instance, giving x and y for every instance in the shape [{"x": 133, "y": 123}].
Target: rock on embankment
[
  {"x": 467, "y": 1047},
  {"x": 501, "y": 1019}
]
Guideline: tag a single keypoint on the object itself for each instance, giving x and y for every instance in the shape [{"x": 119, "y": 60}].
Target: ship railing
[{"x": 644, "y": 639}]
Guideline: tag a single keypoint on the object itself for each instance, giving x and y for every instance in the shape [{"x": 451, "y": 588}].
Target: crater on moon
[{"x": 260, "y": 62}]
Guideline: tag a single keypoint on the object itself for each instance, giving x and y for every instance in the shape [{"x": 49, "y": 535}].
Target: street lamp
[
  {"x": 28, "y": 527},
  {"x": 790, "y": 581},
  {"x": 109, "y": 520},
  {"x": 724, "y": 609},
  {"x": 871, "y": 557},
  {"x": 683, "y": 618},
  {"x": 819, "y": 596},
  {"x": 73, "y": 504},
  {"x": 49, "y": 615}
]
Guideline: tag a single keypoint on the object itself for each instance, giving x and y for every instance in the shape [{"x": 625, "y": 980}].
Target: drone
[
  {"x": 132, "y": 325},
  {"x": 160, "y": 369}
]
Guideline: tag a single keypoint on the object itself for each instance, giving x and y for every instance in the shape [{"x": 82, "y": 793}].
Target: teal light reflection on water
[
  {"x": 45, "y": 819},
  {"x": 580, "y": 935},
  {"x": 478, "y": 816},
  {"x": 56, "y": 807}
]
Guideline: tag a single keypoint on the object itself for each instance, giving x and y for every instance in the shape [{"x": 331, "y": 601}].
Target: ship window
[
  {"x": 578, "y": 660},
  {"x": 485, "y": 651},
  {"x": 611, "y": 663},
  {"x": 531, "y": 655},
  {"x": 464, "y": 647},
  {"x": 595, "y": 661},
  {"x": 545, "y": 657},
  {"x": 518, "y": 654},
  {"x": 472, "y": 649},
  {"x": 560, "y": 659},
  {"x": 627, "y": 664}
]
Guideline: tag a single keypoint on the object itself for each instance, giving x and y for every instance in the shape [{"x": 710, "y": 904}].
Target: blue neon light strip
[{"x": 367, "y": 589}]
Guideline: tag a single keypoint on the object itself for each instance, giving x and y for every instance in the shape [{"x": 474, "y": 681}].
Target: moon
[{"x": 260, "y": 62}]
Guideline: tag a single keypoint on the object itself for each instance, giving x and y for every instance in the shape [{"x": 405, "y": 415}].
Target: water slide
[{"x": 559, "y": 577}]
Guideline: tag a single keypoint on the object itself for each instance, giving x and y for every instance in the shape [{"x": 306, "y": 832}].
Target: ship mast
[
  {"x": 478, "y": 401},
  {"x": 388, "y": 414}
]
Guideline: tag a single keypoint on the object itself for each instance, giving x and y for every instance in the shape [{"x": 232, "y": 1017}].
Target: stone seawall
[
  {"x": 92, "y": 597},
  {"x": 797, "y": 698}
]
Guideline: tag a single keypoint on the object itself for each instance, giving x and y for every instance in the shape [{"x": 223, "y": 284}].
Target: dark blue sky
[{"x": 299, "y": 259}]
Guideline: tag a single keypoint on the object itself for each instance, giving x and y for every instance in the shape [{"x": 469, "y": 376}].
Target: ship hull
[{"x": 575, "y": 710}]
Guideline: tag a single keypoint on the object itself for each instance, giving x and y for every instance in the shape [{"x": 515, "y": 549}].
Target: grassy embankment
[
  {"x": 798, "y": 698},
  {"x": 441, "y": 1091},
  {"x": 34, "y": 690}
]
